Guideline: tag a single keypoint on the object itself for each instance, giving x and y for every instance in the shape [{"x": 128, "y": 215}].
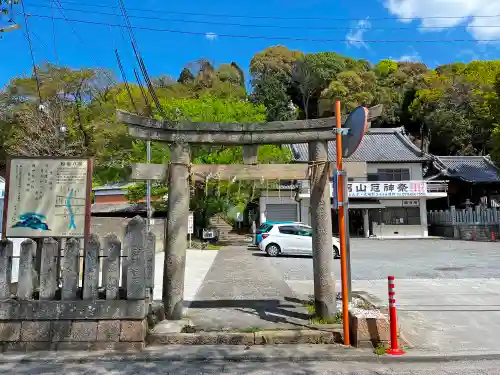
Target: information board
[
  {"x": 47, "y": 197},
  {"x": 190, "y": 223}
]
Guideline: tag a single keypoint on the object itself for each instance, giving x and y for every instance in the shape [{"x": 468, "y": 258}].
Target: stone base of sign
[{"x": 367, "y": 331}]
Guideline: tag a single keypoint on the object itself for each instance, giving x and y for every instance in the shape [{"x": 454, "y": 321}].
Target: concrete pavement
[
  {"x": 440, "y": 315},
  {"x": 447, "y": 292},
  {"x": 284, "y": 359},
  {"x": 253, "y": 368},
  {"x": 198, "y": 263},
  {"x": 243, "y": 292}
]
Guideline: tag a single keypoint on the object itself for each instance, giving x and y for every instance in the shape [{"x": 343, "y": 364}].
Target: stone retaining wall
[
  {"x": 73, "y": 335},
  {"x": 468, "y": 232}
]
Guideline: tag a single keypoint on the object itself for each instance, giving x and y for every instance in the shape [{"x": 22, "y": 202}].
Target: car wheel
[
  {"x": 273, "y": 250},
  {"x": 336, "y": 253}
]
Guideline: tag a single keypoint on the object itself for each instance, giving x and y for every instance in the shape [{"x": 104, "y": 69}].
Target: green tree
[
  {"x": 186, "y": 76},
  {"x": 214, "y": 196},
  {"x": 271, "y": 72}
]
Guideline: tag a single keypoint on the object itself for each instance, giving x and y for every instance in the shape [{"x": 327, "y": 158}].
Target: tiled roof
[
  {"x": 103, "y": 208},
  {"x": 378, "y": 145},
  {"x": 468, "y": 168}
]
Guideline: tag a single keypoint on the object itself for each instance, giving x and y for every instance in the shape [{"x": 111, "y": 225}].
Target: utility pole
[{"x": 148, "y": 187}]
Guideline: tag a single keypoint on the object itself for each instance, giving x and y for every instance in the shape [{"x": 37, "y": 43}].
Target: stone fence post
[{"x": 98, "y": 315}]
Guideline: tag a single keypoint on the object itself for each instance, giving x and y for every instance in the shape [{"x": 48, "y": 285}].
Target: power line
[
  {"x": 68, "y": 21},
  {"x": 140, "y": 61},
  {"x": 216, "y": 23},
  {"x": 35, "y": 70},
  {"x": 226, "y": 15},
  {"x": 127, "y": 86},
  {"x": 276, "y": 38},
  {"x": 54, "y": 31}
]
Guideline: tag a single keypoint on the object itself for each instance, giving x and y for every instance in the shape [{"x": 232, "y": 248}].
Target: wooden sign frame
[{"x": 88, "y": 197}]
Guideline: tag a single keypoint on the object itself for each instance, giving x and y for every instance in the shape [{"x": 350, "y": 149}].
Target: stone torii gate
[{"x": 180, "y": 135}]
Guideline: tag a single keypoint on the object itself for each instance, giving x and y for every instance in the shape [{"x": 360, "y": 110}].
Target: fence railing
[
  {"x": 477, "y": 215},
  {"x": 437, "y": 186},
  {"x": 52, "y": 273}
]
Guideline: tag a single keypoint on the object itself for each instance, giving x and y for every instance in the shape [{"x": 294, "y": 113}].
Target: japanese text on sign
[
  {"x": 47, "y": 197},
  {"x": 190, "y": 223},
  {"x": 387, "y": 189}
]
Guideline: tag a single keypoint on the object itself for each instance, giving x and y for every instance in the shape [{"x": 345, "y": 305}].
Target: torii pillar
[
  {"x": 176, "y": 231},
  {"x": 316, "y": 133},
  {"x": 321, "y": 223}
]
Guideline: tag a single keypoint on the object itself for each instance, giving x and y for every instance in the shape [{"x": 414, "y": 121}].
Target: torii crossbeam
[{"x": 181, "y": 135}]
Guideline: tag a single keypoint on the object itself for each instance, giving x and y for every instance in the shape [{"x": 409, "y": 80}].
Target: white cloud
[
  {"x": 410, "y": 58},
  {"x": 211, "y": 36},
  {"x": 464, "y": 11},
  {"x": 355, "y": 37}
]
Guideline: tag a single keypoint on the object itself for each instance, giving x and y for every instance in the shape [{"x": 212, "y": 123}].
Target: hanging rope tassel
[
  {"x": 218, "y": 186},
  {"x": 207, "y": 178}
]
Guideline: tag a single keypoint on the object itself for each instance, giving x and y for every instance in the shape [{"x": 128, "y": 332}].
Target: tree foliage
[{"x": 453, "y": 109}]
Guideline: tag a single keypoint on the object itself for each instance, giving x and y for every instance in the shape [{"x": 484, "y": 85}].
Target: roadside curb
[
  {"x": 210, "y": 353},
  {"x": 304, "y": 336}
]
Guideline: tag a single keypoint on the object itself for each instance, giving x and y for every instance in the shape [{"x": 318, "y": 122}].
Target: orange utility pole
[{"x": 341, "y": 211}]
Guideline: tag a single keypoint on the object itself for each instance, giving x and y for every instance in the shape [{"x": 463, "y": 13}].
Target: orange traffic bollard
[{"x": 394, "y": 349}]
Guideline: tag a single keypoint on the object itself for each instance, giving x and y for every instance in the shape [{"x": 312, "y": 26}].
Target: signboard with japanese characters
[
  {"x": 411, "y": 203},
  {"x": 47, "y": 197},
  {"x": 190, "y": 223},
  {"x": 387, "y": 189}
]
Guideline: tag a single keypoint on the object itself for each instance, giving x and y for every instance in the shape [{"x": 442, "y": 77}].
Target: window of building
[
  {"x": 385, "y": 174},
  {"x": 397, "y": 216}
]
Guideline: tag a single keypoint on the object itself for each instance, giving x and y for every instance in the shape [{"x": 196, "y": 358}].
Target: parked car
[
  {"x": 266, "y": 227},
  {"x": 294, "y": 238}
]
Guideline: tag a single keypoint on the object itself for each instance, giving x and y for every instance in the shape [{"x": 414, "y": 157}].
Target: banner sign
[{"x": 380, "y": 189}]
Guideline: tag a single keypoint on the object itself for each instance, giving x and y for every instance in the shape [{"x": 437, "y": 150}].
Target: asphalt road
[
  {"x": 252, "y": 368},
  {"x": 447, "y": 292},
  {"x": 405, "y": 259}
]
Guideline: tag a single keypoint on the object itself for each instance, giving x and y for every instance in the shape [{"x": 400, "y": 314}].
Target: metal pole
[
  {"x": 148, "y": 187},
  {"x": 342, "y": 226},
  {"x": 347, "y": 239}
]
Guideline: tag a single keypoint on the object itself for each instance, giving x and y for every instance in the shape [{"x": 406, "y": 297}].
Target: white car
[{"x": 291, "y": 239}]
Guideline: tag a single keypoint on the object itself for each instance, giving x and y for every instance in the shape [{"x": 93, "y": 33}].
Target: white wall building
[{"x": 390, "y": 201}]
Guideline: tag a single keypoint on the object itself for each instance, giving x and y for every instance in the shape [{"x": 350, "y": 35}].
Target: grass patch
[
  {"x": 188, "y": 329},
  {"x": 380, "y": 349},
  {"x": 213, "y": 247},
  {"x": 199, "y": 245},
  {"x": 365, "y": 305},
  {"x": 337, "y": 319}
]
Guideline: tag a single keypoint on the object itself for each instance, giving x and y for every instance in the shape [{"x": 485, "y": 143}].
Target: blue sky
[{"x": 353, "y": 28}]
